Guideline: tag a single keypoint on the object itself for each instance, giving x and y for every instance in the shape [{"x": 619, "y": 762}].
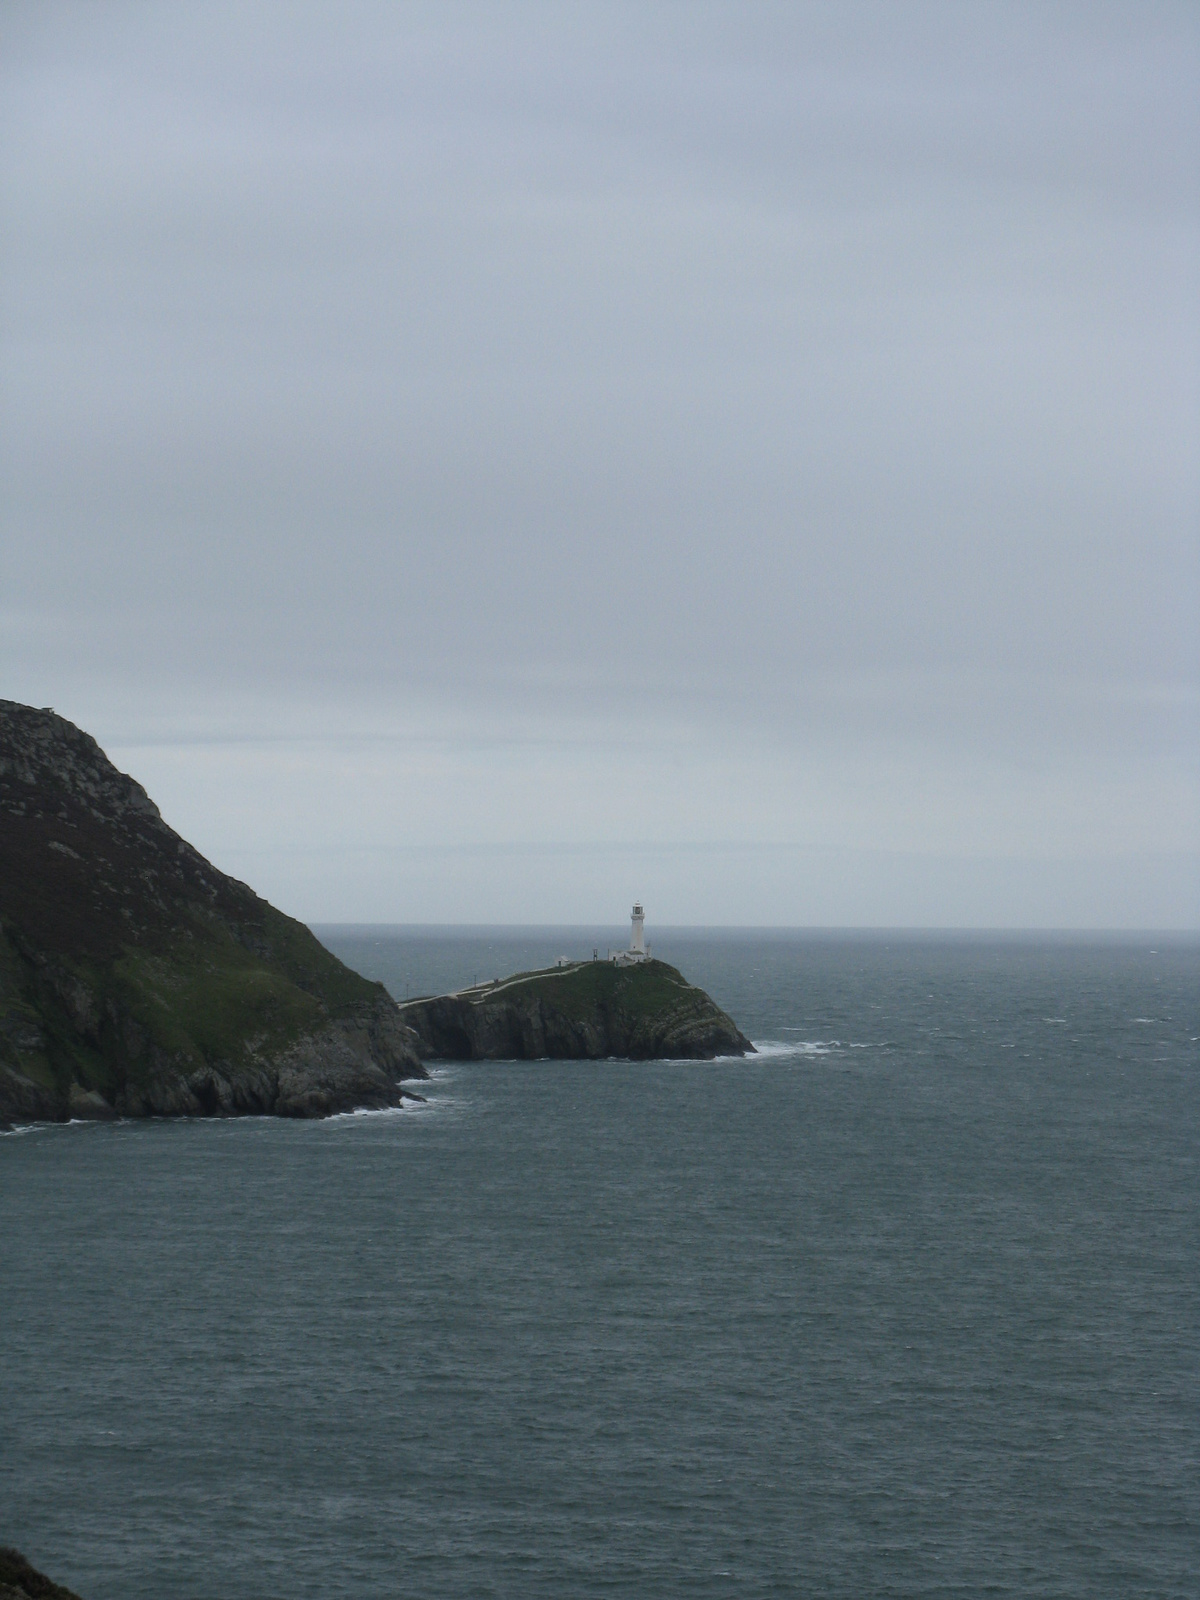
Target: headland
[
  {"x": 583, "y": 1010},
  {"x": 138, "y": 980}
]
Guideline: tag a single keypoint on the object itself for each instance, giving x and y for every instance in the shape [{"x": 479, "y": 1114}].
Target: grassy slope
[
  {"x": 650, "y": 989},
  {"x": 114, "y": 930},
  {"x": 198, "y": 995}
]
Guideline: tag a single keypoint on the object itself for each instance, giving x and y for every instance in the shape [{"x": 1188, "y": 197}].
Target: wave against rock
[{"x": 138, "y": 980}]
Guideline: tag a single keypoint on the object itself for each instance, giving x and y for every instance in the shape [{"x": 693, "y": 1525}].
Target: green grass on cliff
[
  {"x": 208, "y": 997},
  {"x": 20, "y": 1020},
  {"x": 196, "y": 995},
  {"x": 122, "y": 951},
  {"x": 212, "y": 998},
  {"x": 647, "y": 990}
]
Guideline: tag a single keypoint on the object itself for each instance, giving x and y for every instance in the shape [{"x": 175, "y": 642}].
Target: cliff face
[
  {"x": 136, "y": 979},
  {"x": 587, "y": 1011}
]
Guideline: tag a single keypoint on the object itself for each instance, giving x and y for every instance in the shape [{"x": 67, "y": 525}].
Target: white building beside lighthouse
[{"x": 638, "y": 950}]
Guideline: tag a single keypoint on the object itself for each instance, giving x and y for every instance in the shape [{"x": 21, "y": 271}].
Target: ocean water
[{"x": 906, "y": 1305}]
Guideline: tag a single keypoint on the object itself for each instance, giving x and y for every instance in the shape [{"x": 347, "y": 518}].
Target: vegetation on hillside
[
  {"x": 587, "y": 1010},
  {"x": 126, "y": 958}
]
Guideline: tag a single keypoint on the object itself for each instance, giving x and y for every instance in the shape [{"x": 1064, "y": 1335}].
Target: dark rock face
[
  {"x": 21, "y": 1581},
  {"x": 136, "y": 979},
  {"x": 584, "y": 1012}
]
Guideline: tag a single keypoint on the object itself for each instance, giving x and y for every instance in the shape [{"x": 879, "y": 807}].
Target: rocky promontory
[
  {"x": 138, "y": 980},
  {"x": 585, "y": 1010},
  {"x": 19, "y": 1580}
]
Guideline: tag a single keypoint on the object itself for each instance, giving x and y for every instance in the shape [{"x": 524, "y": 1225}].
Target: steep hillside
[{"x": 137, "y": 979}]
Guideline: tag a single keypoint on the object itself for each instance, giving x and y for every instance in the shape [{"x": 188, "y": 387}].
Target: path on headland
[{"x": 479, "y": 991}]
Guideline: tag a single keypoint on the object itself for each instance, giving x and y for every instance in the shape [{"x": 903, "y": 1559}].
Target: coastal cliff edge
[
  {"x": 586, "y": 1010},
  {"x": 138, "y": 980}
]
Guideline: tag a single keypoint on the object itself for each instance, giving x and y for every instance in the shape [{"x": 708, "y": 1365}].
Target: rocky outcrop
[
  {"x": 587, "y": 1011},
  {"x": 21, "y": 1581},
  {"x": 138, "y": 980}
]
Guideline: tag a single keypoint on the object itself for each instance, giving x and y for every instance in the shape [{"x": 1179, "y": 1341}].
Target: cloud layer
[{"x": 463, "y": 459}]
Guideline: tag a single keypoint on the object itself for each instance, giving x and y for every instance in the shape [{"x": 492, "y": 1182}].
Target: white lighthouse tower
[{"x": 637, "y": 938}]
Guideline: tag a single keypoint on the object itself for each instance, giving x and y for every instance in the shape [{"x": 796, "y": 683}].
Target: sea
[{"x": 905, "y": 1304}]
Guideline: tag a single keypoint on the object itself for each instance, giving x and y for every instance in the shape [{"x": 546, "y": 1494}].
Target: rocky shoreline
[
  {"x": 137, "y": 980},
  {"x": 587, "y": 1010}
]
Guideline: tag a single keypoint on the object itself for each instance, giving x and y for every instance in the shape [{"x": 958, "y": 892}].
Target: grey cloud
[{"x": 823, "y": 370}]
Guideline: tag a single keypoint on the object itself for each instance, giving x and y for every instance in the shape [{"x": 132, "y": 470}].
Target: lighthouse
[{"x": 637, "y": 938}]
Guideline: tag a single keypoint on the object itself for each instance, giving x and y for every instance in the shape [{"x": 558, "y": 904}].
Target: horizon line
[{"x": 780, "y": 927}]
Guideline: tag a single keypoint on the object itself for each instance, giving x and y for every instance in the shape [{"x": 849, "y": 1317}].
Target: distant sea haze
[{"x": 906, "y": 1304}]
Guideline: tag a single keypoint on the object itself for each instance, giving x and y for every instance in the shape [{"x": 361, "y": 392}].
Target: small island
[{"x": 627, "y": 1005}]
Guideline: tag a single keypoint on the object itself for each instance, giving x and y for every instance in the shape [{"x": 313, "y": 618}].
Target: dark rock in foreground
[
  {"x": 137, "y": 980},
  {"x": 20, "y": 1581},
  {"x": 586, "y": 1011}
]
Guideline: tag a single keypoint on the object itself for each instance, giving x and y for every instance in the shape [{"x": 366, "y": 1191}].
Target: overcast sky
[{"x": 486, "y": 462}]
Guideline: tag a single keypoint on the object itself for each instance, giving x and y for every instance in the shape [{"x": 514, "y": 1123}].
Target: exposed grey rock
[
  {"x": 587, "y": 1011},
  {"x": 86, "y": 1105}
]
